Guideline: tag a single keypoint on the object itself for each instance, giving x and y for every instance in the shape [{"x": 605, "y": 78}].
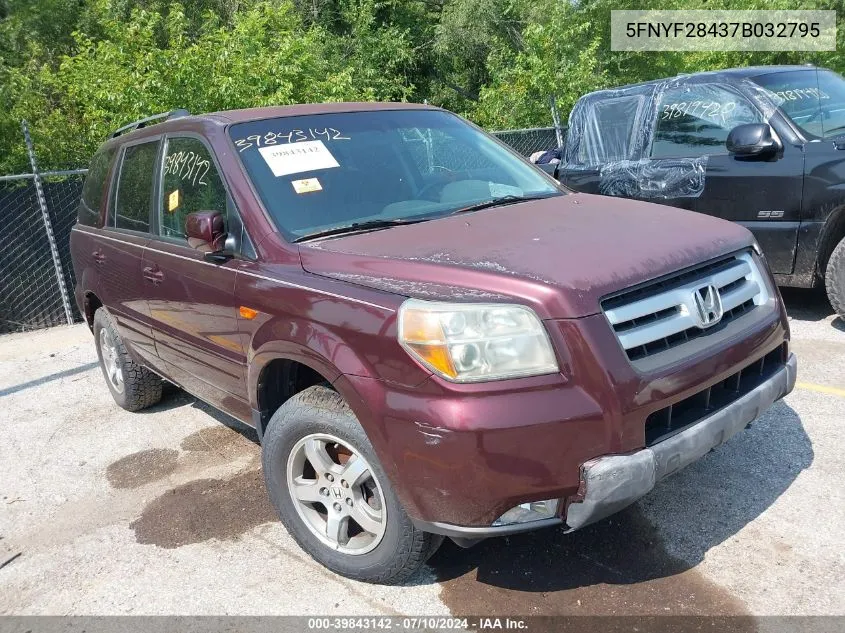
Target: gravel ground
[{"x": 164, "y": 512}]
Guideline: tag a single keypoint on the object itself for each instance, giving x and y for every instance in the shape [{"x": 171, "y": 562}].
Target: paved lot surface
[{"x": 163, "y": 512}]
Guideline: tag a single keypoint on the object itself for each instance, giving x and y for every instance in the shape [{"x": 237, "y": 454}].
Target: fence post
[
  {"x": 48, "y": 225},
  {"x": 556, "y": 119}
]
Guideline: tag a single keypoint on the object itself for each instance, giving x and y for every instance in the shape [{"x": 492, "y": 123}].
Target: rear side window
[
  {"x": 92, "y": 190},
  {"x": 134, "y": 197},
  {"x": 610, "y": 130}
]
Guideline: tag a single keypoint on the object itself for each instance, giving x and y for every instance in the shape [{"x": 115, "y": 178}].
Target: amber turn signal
[{"x": 248, "y": 313}]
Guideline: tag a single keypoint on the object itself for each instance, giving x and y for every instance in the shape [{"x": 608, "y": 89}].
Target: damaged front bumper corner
[{"x": 612, "y": 482}]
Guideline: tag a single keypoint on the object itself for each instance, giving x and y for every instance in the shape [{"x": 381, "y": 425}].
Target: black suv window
[
  {"x": 135, "y": 188},
  {"x": 92, "y": 190},
  {"x": 813, "y": 99},
  {"x": 695, "y": 120},
  {"x": 610, "y": 130},
  {"x": 191, "y": 183}
]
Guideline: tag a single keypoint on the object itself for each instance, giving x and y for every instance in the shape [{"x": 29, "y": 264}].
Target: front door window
[
  {"x": 191, "y": 183},
  {"x": 695, "y": 120}
]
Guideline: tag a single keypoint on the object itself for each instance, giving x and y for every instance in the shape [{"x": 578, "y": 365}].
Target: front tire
[
  {"x": 834, "y": 279},
  {"x": 330, "y": 491},
  {"x": 133, "y": 386}
]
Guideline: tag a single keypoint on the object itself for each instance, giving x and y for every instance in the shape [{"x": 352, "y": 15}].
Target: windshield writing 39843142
[{"x": 293, "y": 136}]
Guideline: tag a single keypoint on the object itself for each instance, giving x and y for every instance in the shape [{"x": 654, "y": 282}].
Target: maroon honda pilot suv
[{"x": 431, "y": 337}]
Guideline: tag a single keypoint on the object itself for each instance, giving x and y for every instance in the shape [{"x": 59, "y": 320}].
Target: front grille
[
  {"x": 673, "y": 419},
  {"x": 663, "y": 314}
]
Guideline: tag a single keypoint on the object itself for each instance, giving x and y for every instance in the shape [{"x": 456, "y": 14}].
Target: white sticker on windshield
[
  {"x": 294, "y": 158},
  {"x": 498, "y": 190}
]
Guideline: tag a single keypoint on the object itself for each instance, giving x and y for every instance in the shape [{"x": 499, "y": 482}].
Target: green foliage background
[{"x": 78, "y": 69}]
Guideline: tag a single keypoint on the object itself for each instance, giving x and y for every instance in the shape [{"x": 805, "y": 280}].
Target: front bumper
[{"x": 612, "y": 482}]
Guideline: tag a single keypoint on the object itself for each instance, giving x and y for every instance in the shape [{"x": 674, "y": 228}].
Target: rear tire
[
  {"x": 133, "y": 386},
  {"x": 312, "y": 445},
  {"x": 834, "y": 279}
]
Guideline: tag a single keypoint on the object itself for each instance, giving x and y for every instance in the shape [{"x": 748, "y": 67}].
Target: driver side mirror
[
  {"x": 206, "y": 232},
  {"x": 752, "y": 139}
]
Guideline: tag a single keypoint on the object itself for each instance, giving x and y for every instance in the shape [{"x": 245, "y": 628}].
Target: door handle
[
  {"x": 153, "y": 274},
  {"x": 98, "y": 256}
]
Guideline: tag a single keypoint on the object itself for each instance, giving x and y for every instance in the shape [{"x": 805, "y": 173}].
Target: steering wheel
[
  {"x": 447, "y": 176},
  {"x": 432, "y": 187},
  {"x": 816, "y": 115}
]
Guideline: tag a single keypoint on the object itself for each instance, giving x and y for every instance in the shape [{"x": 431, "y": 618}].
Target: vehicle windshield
[
  {"x": 319, "y": 173},
  {"x": 813, "y": 99}
]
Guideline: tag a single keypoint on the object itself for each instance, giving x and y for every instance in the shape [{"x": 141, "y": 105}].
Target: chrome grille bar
[
  {"x": 677, "y": 297},
  {"x": 671, "y": 315}
]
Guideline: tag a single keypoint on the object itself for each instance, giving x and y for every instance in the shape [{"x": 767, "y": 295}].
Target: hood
[{"x": 560, "y": 255}]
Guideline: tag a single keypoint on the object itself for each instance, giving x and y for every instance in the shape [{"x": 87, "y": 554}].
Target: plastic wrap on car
[
  {"x": 654, "y": 178},
  {"x": 620, "y": 153}
]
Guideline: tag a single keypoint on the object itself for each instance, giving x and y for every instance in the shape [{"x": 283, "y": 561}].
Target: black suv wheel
[{"x": 834, "y": 279}]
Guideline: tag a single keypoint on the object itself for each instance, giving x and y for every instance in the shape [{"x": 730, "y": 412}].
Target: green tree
[
  {"x": 154, "y": 62},
  {"x": 565, "y": 51},
  {"x": 77, "y": 69}
]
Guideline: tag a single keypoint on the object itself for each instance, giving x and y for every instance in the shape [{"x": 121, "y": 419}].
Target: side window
[
  {"x": 135, "y": 187},
  {"x": 610, "y": 130},
  {"x": 191, "y": 183},
  {"x": 694, "y": 121},
  {"x": 92, "y": 189}
]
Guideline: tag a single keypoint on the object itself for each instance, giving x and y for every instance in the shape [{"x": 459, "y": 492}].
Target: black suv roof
[{"x": 724, "y": 73}]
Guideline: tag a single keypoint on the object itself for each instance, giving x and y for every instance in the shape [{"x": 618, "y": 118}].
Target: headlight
[{"x": 472, "y": 342}]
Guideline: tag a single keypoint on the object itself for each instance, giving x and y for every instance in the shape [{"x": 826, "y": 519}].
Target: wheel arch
[
  {"x": 832, "y": 233},
  {"x": 280, "y": 371},
  {"x": 90, "y": 303}
]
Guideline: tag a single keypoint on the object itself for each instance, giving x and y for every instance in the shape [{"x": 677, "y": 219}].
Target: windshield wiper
[
  {"x": 499, "y": 202},
  {"x": 372, "y": 225},
  {"x": 367, "y": 225}
]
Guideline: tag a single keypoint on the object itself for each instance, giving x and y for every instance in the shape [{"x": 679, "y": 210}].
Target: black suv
[{"x": 762, "y": 146}]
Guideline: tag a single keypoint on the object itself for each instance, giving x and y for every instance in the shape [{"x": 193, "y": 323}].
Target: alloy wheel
[
  {"x": 336, "y": 493},
  {"x": 111, "y": 360}
]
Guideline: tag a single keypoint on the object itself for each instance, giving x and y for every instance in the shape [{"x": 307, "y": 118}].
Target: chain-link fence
[
  {"x": 30, "y": 293},
  {"x": 62, "y": 194},
  {"x": 527, "y": 142},
  {"x": 38, "y": 210}
]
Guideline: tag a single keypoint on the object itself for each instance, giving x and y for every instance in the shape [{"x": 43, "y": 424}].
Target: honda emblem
[{"x": 708, "y": 305}]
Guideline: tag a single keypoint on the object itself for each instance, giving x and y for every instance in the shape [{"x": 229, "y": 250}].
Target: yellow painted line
[{"x": 809, "y": 386}]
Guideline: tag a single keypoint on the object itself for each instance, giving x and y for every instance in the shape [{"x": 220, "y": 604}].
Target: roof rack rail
[{"x": 136, "y": 125}]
